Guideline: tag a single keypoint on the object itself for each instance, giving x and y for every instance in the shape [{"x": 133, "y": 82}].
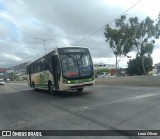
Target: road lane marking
[
  {"x": 117, "y": 101},
  {"x": 144, "y": 96}
]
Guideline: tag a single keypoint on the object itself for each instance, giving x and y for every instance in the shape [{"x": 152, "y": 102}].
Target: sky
[{"x": 63, "y": 23}]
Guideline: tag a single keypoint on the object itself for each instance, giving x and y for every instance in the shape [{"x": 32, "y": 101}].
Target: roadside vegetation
[{"x": 132, "y": 35}]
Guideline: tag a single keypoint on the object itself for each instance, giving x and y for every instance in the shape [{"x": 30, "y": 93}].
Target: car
[
  {"x": 1, "y": 82},
  {"x": 158, "y": 74},
  {"x": 103, "y": 75},
  {"x": 8, "y": 81}
]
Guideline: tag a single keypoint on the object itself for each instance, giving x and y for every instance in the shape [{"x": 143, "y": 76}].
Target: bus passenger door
[{"x": 55, "y": 64}]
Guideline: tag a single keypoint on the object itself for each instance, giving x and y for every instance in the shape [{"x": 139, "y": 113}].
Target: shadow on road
[{"x": 64, "y": 93}]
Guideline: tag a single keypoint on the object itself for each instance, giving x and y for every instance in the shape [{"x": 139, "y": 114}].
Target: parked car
[
  {"x": 158, "y": 74},
  {"x": 103, "y": 75},
  {"x": 8, "y": 81},
  {"x": 1, "y": 82}
]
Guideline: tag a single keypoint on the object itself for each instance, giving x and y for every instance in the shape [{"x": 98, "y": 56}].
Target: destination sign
[{"x": 72, "y": 50}]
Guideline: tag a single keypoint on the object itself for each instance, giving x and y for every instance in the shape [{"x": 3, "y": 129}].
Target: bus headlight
[{"x": 69, "y": 81}]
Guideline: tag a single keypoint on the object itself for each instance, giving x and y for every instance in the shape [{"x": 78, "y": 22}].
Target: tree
[
  {"x": 13, "y": 77},
  {"x": 117, "y": 38},
  {"x": 135, "y": 66},
  {"x": 143, "y": 35},
  {"x": 133, "y": 35}
]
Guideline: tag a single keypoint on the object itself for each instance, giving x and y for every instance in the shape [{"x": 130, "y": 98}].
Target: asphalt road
[{"x": 98, "y": 107}]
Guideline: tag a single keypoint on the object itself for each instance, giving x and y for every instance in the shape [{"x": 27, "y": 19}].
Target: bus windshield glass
[{"x": 76, "y": 65}]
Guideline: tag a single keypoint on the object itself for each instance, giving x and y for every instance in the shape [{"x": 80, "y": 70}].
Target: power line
[{"x": 108, "y": 23}]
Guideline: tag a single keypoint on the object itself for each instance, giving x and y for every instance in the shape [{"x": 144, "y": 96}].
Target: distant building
[
  {"x": 157, "y": 66},
  {"x": 19, "y": 69},
  {"x": 10, "y": 70},
  {"x": 102, "y": 66},
  {"x": 3, "y": 72}
]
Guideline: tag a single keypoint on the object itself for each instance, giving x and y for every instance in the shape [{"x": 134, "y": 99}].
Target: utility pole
[{"x": 44, "y": 42}]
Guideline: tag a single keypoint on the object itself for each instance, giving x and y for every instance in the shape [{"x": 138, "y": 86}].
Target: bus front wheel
[{"x": 79, "y": 89}]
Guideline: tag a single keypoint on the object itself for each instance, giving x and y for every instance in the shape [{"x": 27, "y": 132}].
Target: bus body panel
[{"x": 41, "y": 79}]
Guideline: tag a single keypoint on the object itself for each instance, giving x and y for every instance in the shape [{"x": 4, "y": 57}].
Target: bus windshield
[{"x": 76, "y": 65}]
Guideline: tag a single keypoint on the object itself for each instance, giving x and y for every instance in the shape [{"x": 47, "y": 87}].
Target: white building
[
  {"x": 157, "y": 66},
  {"x": 10, "y": 70},
  {"x": 102, "y": 66}
]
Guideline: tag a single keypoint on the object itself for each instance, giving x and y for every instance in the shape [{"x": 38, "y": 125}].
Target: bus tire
[
  {"x": 50, "y": 88},
  {"x": 79, "y": 89},
  {"x": 33, "y": 86}
]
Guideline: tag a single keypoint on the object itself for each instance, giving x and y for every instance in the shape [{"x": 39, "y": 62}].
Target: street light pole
[{"x": 44, "y": 42}]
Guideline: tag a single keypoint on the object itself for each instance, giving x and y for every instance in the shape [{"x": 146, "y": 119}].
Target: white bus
[{"x": 65, "y": 68}]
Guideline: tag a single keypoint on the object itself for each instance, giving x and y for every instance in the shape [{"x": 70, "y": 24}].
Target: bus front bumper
[{"x": 66, "y": 87}]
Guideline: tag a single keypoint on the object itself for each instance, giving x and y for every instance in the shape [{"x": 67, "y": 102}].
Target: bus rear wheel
[
  {"x": 79, "y": 89},
  {"x": 33, "y": 86},
  {"x": 50, "y": 88}
]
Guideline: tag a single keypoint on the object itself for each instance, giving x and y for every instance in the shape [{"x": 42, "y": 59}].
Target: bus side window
[
  {"x": 39, "y": 64},
  {"x": 49, "y": 62},
  {"x": 43, "y": 64},
  {"x": 29, "y": 70},
  {"x": 32, "y": 69}
]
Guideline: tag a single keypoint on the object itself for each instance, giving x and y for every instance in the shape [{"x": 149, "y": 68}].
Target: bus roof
[{"x": 54, "y": 50}]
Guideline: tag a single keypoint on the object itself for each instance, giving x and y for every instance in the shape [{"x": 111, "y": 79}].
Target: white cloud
[
  {"x": 155, "y": 55},
  {"x": 11, "y": 57},
  {"x": 67, "y": 22},
  {"x": 4, "y": 31}
]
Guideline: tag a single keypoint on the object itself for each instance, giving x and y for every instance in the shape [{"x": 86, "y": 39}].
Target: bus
[{"x": 63, "y": 69}]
